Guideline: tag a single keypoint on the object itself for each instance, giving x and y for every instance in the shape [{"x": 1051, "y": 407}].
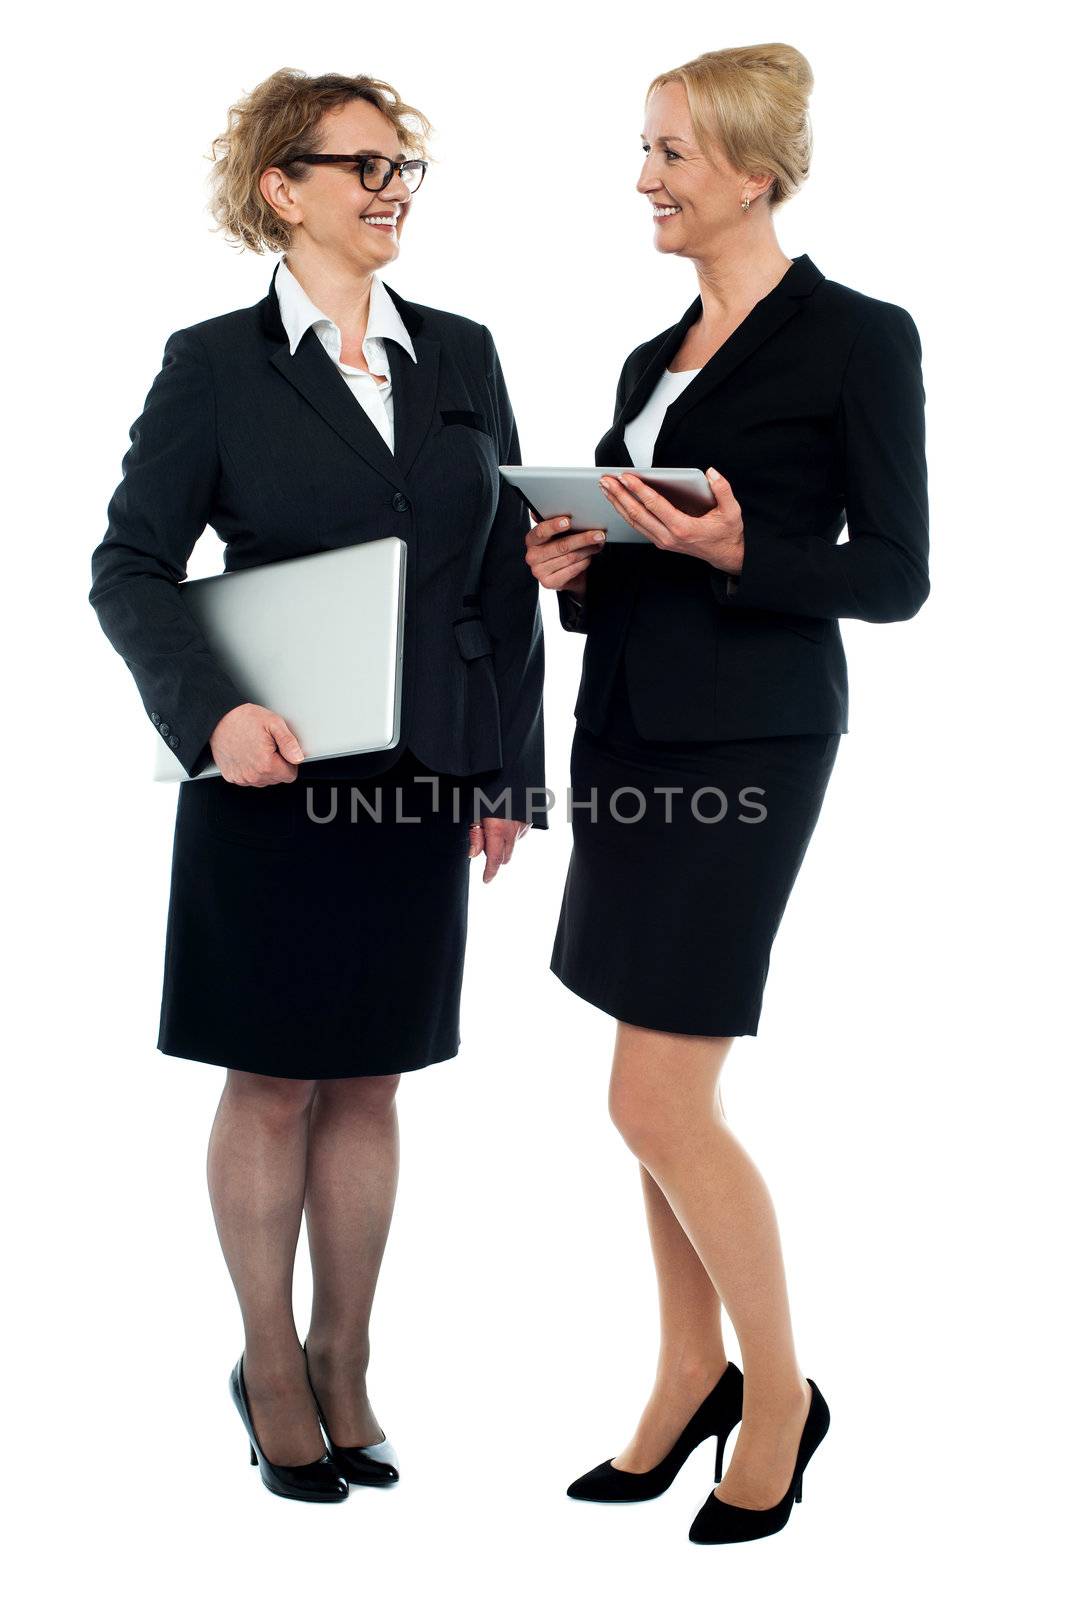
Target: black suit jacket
[
  {"x": 813, "y": 410},
  {"x": 274, "y": 452}
]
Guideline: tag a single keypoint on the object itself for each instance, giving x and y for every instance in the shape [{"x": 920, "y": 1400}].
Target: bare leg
[
  {"x": 691, "y": 1354},
  {"x": 352, "y": 1173},
  {"x": 256, "y": 1165},
  {"x": 664, "y": 1100}
]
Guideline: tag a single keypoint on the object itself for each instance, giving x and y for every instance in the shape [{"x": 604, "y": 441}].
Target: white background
[{"x": 902, "y": 1097}]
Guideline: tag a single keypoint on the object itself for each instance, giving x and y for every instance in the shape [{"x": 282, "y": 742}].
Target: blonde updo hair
[
  {"x": 750, "y": 104},
  {"x": 277, "y": 120}
]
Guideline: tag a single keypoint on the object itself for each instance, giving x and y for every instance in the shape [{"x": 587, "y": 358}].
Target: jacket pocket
[{"x": 245, "y": 814}]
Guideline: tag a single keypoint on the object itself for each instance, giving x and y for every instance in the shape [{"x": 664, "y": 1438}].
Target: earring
[{"x": 746, "y": 202}]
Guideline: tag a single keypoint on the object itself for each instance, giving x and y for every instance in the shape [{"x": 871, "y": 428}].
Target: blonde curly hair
[
  {"x": 277, "y": 120},
  {"x": 751, "y": 103}
]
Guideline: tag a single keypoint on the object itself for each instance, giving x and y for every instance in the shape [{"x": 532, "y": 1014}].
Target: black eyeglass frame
[{"x": 318, "y": 159}]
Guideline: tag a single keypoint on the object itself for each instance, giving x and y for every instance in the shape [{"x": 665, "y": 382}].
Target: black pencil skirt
[
  {"x": 673, "y": 900},
  {"x": 302, "y": 943}
]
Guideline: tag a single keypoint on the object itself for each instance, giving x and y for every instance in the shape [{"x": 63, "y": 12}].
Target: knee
[
  {"x": 276, "y": 1101},
  {"x": 638, "y": 1114},
  {"x": 367, "y": 1097}
]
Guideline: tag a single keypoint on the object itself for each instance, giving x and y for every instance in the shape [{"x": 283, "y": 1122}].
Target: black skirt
[
  {"x": 673, "y": 900},
  {"x": 303, "y": 944}
]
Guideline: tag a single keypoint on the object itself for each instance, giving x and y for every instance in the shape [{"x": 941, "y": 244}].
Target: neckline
[{"x": 781, "y": 281}]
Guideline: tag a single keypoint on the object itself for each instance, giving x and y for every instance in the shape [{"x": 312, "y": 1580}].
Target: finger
[
  {"x": 501, "y": 839},
  {"x": 637, "y": 517},
  {"x": 549, "y": 529},
  {"x": 493, "y": 852},
  {"x": 654, "y": 504},
  {"x": 722, "y": 488},
  {"x": 284, "y": 738},
  {"x": 587, "y": 539},
  {"x": 274, "y": 770},
  {"x": 554, "y": 563},
  {"x": 559, "y": 580},
  {"x": 476, "y": 840}
]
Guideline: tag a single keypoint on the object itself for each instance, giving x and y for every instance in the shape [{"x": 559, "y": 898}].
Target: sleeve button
[
  {"x": 173, "y": 741},
  {"x": 164, "y": 728},
  {"x": 155, "y": 717}
]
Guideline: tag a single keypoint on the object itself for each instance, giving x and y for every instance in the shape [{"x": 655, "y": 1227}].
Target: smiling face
[
  {"x": 694, "y": 201},
  {"x": 333, "y": 216}
]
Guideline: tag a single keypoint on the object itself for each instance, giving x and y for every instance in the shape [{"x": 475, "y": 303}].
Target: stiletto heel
[
  {"x": 373, "y": 1465},
  {"x": 316, "y": 1480},
  {"x": 718, "y": 1522},
  {"x": 719, "y": 1458},
  {"x": 718, "y": 1414}
]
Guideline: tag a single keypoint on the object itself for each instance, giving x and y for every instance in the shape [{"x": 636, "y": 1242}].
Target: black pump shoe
[
  {"x": 717, "y": 1522},
  {"x": 718, "y": 1414},
  {"x": 373, "y": 1465},
  {"x": 317, "y": 1480}
]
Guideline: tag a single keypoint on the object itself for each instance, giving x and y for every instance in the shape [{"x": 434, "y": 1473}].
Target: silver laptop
[{"x": 318, "y": 639}]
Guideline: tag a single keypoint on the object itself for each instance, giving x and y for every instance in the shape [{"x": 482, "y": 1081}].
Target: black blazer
[
  {"x": 276, "y": 454},
  {"x": 813, "y": 409}
]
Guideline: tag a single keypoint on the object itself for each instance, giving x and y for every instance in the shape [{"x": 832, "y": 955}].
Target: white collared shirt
[{"x": 298, "y": 313}]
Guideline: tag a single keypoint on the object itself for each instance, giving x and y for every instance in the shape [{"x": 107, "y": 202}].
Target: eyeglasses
[{"x": 375, "y": 171}]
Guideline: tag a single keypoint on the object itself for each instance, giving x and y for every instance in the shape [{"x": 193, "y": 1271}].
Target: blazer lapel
[
  {"x": 770, "y": 314},
  {"x": 767, "y": 317},
  {"x": 656, "y": 363},
  {"x": 414, "y": 386}
]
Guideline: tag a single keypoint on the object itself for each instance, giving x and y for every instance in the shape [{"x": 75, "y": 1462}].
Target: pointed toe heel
[
  {"x": 718, "y": 1414},
  {"x": 373, "y": 1466},
  {"x": 317, "y": 1480},
  {"x": 718, "y": 1522}
]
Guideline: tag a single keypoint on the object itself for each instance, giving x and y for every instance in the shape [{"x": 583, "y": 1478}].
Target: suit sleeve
[
  {"x": 156, "y": 515},
  {"x": 880, "y": 573},
  {"x": 510, "y": 606}
]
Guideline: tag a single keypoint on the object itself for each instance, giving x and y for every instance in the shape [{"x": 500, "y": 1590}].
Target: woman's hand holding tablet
[
  {"x": 561, "y": 563},
  {"x": 675, "y": 508},
  {"x": 715, "y": 535},
  {"x": 574, "y": 493}
]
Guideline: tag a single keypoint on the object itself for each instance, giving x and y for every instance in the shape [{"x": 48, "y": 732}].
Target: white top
[
  {"x": 641, "y": 432},
  {"x": 298, "y": 313}
]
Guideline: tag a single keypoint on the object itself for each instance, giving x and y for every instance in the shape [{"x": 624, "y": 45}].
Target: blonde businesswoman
[
  {"x": 712, "y": 701},
  {"x": 315, "y": 957}
]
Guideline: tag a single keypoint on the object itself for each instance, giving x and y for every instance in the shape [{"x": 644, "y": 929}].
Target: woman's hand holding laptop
[{"x": 255, "y": 746}]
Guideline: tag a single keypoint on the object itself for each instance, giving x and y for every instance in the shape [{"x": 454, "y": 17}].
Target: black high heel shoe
[
  {"x": 718, "y": 1414},
  {"x": 316, "y": 1480},
  {"x": 374, "y": 1465},
  {"x": 717, "y": 1522}
]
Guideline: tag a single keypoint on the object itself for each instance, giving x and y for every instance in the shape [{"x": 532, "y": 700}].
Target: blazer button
[
  {"x": 164, "y": 728},
  {"x": 400, "y": 502},
  {"x": 173, "y": 741},
  {"x": 155, "y": 717}
]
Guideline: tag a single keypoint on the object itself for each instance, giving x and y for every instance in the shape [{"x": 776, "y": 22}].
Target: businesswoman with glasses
[
  {"x": 712, "y": 701},
  {"x": 316, "y": 957}
]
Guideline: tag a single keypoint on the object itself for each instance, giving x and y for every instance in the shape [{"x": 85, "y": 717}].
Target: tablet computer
[{"x": 574, "y": 492}]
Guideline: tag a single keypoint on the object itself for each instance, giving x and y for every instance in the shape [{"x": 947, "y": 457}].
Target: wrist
[{"x": 730, "y": 560}]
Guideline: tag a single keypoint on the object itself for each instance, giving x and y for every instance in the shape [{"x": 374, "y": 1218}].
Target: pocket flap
[
  {"x": 472, "y": 638},
  {"x": 467, "y": 419}
]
